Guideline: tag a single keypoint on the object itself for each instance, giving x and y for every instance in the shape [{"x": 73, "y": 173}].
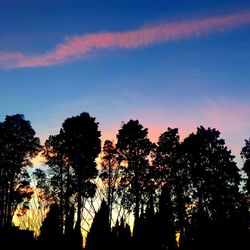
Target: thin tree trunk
[
  {"x": 9, "y": 204},
  {"x": 2, "y": 198},
  {"x": 109, "y": 193},
  {"x": 67, "y": 213},
  {"x": 79, "y": 198},
  {"x": 61, "y": 199}
]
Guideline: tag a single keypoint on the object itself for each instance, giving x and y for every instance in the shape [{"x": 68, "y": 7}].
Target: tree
[
  {"x": 99, "y": 235},
  {"x": 120, "y": 236},
  {"x": 71, "y": 155},
  {"x": 69, "y": 226},
  {"x": 172, "y": 178},
  {"x": 18, "y": 145},
  {"x": 214, "y": 183},
  {"x": 50, "y": 230},
  {"x": 109, "y": 174},
  {"x": 214, "y": 175},
  {"x": 165, "y": 220},
  {"x": 82, "y": 146},
  {"x": 166, "y": 156},
  {"x": 61, "y": 175},
  {"x": 134, "y": 148},
  {"x": 245, "y": 153}
]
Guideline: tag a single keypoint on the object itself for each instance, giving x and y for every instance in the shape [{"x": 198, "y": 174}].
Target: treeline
[{"x": 183, "y": 195}]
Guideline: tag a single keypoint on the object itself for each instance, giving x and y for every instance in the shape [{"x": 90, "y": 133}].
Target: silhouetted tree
[
  {"x": 71, "y": 155},
  {"x": 245, "y": 212},
  {"x": 62, "y": 178},
  {"x": 40, "y": 177},
  {"x": 245, "y": 153},
  {"x": 83, "y": 144},
  {"x": 50, "y": 232},
  {"x": 43, "y": 187},
  {"x": 149, "y": 228},
  {"x": 192, "y": 187},
  {"x": 77, "y": 239},
  {"x": 214, "y": 183},
  {"x": 166, "y": 156},
  {"x": 165, "y": 221},
  {"x": 172, "y": 177},
  {"x": 18, "y": 145},
  {"x": 69, "y": 226},
  {"x": 99, "y": 235},
  {"x": 109, "y": 174},
  {"x": 134, "y": 148},
  {"x": 121, "y": 236}
]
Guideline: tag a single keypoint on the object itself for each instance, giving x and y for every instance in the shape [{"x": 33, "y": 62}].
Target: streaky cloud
[{"x": 77, "y": 47}]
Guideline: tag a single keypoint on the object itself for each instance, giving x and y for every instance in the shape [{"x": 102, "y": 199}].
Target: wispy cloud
[
  {"x": 231, "y": 118},
  {"x": 78, "y": 46}
]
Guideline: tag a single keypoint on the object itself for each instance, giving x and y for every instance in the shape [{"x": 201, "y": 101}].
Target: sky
[{"x": 166, "y": 63}]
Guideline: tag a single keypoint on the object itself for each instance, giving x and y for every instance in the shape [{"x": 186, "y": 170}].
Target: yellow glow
[
  {"x": 38, "y": 160},
  {"x": 177, "y": 238}
]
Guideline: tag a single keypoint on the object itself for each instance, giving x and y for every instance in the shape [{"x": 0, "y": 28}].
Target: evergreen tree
[
  {"x": 50, "y": 233},
  {"x": 121, "y": 236},
  {"x": 99, "y": 235}
]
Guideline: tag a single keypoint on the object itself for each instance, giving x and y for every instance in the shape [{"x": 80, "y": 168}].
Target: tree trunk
[
  {"x": 61, "y": 199},
  {"x": 67, "y": 194},
  {"x": 9, "y": 204},
  {"x": 109, "y": 193},
  {"x": 79, "y": 198}
]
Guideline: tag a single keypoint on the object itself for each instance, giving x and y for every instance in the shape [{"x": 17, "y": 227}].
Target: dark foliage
[
  {"x": 134, "y": 148},
  {"x": 17, "y": 145},
  {"x": 193, "y": 188},
  {"x": 50, "y": 229},
  {"x": 99, "y": 235}
]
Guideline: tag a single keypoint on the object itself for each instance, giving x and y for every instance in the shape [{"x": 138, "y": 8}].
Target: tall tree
[
  {"x": 61, "y": 175},
  {"x": 18, "y": 145},
  {"x": 214, "y": 175},
  {"x": 83, "y": 145},
  {"x": 214, "y": 181},
  {"x": 134, "y": 147},
  {"x": 172, "y": 178},
  {"x": 71, "y": 155},
  {"x": 109, "y": 174},
  {"x": 165, "y": 220},
  {"x": 166, "y": 155}
]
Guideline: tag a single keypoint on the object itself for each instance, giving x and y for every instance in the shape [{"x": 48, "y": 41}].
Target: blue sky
[{"x": 166, "y": 63}]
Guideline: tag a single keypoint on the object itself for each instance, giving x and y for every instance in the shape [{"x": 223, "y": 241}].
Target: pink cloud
[
  {"x": 231, "y": 118},
  {"x": 228, "y": 116},
  {"x": 77, "y": 46}
]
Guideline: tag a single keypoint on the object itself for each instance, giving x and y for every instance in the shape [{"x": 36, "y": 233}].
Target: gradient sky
[{"x": 167, "y": 63}]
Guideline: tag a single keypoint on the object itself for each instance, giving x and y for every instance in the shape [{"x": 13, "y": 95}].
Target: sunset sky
[{"x": 167, "y": 63}]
